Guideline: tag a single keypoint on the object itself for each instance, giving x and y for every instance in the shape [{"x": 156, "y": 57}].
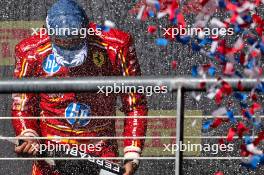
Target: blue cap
[{"x": 66, "y": 14}]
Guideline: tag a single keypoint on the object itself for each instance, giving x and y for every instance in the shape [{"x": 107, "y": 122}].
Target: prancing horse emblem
[{"x": 98, "y": 59}]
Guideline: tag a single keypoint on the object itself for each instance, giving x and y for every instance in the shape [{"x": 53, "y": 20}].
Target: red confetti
[
  {"x": 221, "y": 141},
  {"x": 241, "y": 129},
  {"x": 244, "y": 152},
  {"x": 203, "y": 2},
  {"x": 255, "y": 107},
  {"x": 254, "y": 96},
  {"x": 172, "y": 8},
  {"x": 226, "y": 88},
  {"x": 181, "y": 20},
  {"x": 219, "y": 173},
  {"x": 257, "y": 19},
  {"x": 259, "y": 138},
  {"x": 239, "y": 86},
  {"x": 231, "y": 134},
  {"x": 202, "y": 85},
  {"x": 231, "y": 6},
  {"x": 152, "y": 29},
  {"x": 229, "y": 69},
  {"x": 217, "y": 122},
  {"x": 242, "y": 58},
  {"x": 218, "y": 97},
  {"x": 259, "y": 70},
  {"x": 174, "y": 64}
]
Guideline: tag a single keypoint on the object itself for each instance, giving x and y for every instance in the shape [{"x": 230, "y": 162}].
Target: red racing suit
[{"x": 110, "y": 54}]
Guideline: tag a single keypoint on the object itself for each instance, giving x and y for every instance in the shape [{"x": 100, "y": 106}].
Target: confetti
[
  {"x": 229, "y": 69},
  {"x": 230, "y": 116},
  {"x": 219, "y": 112},
  {"x": 254, "y": 150},
  {"x": 212, "y": 71},
  {"x": 231, "y": 134},
  {"x": 161, "y": 42},
  {"x": 236, "y": 58},
  {"x": 217, "y": 122},
  {"x": 196, "y": 97},
  {"x": 174, "y": 64},
  {"x": 194, "y": 123},
  {"x": 253, "y": 162},
  {"x": 195, "y": 71},
  {"x": 241, "y": 129},
  {"x": 152, "y": 29},
  {"x": 207, "y": 124},
  {"x": 109, "y": 24},
  {"x": 219, "y": 173}
]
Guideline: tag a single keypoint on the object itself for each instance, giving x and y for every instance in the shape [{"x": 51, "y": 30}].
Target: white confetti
[
  {"x": 219, "y": 112},
  {"x": 218, "y": 23},
  {"x": 110, "y": 24},
  {"x": 251, "y": 148},
  {"x": 194, "y": 123},
  {"x": 214, "y": 46},
  {"x": 140, "y": 13}
]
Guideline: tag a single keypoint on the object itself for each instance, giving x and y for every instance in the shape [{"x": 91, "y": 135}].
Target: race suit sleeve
[
  {"x": 24, "y": 104},
  {"x": 134, "y": 104}
]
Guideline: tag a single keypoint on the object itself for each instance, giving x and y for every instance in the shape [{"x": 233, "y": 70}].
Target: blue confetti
[
  {"x": 151, "y": 14},
  {"x": 161, "y": 42},
  {"x": 247, "y": 140},
  {"x": 237, "y": 73},
  {"x": 183, "y": 40},
  {"x": 174, "y": 21},
  {"x": 103, "y": 28},
  {"x": 251, "y": 64},
  {"x": 212, "y": 71},
  {"x": 196, "y": 47},
  {"x": 248, "y": 115},
  {"x": 240, "y": 96},
  {"x": 247, "y": 18},
  {"x": 195, "y": 71},
  {"x": 255, "y": 160},
  {"x": 157, "y": 6},
  {"x": 260, "y": 87},
  {"x": 257, "y": 124},
  {"x": 205, "y": 41},
  {"x": 207, "y": 124},
  {"x": 243, "y": 105},
  {"x": 261, "y": 46},
  {"x": 222, "y": 4},
  {"x": 237, "y": 29},
  {"x": 230, "y": 115},
  {"x": 222, "y": 58},
  {"x": 251, "y": 41}
]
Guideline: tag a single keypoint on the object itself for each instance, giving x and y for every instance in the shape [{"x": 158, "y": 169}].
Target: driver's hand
[
  {"x": 29, "y": 147},
  {"x": 130, "y": 168}
]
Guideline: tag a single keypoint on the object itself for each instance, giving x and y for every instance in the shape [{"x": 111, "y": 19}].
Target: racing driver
[{"x": 109, "y": 52}]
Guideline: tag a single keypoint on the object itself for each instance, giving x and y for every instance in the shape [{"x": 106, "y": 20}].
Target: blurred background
[{"x": 17, "y": 17}]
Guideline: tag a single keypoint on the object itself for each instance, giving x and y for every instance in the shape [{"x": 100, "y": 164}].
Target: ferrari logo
[{"x": 99, "y": 58}]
